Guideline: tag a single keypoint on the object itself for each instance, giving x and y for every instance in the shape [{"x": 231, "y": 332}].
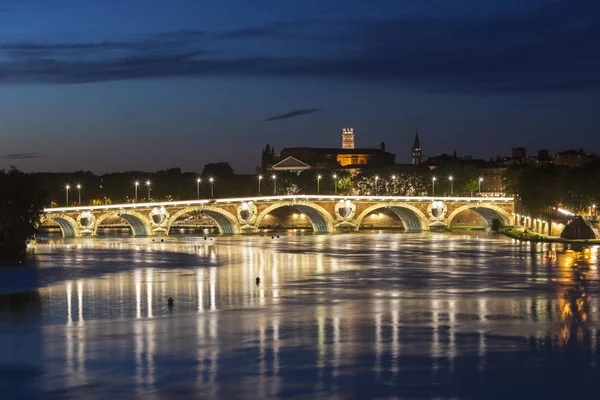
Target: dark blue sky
[{"x": 134, "y": 84}]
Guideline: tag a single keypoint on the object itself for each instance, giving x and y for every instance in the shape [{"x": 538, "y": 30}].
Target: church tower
[
  {"x": 417, "y": 151},
  {"x": 348, "y": 138}
]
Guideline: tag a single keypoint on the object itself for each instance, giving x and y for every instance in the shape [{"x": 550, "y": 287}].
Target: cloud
[
  {"x": 248, "y": 33},
  {"x": 22, "y": 156},
  {"x": 551, "y": 48},
  {"x": 30, "y": 46},
  {"x": 292, "y": 114}
]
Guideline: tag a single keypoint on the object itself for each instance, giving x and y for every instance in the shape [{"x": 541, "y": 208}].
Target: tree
[
  {"x": 218, "y": 170},
  {"x": 21, "y": 207},
  {"x": 344, "y": 184},
  {"x": 496, "y": 224}
]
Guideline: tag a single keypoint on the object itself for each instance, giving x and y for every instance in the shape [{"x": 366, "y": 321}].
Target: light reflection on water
[{"x": 359, "y": 316}]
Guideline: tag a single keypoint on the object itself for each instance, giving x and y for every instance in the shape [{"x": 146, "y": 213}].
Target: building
[
  {"x": 519, "y": 154},
  {"x": 491, "y": 179},
  {"x": 348, "y": 138},
  {"x": 436, "y": 161},
  {"x": 417, "y": 151},
  {"x": 298, "y": 159},
  {"x": 573, "y": 158},
  {"x": 542, "y": 158}
]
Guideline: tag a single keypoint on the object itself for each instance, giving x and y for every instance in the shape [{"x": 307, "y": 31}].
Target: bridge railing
[{"x": 276, "y": 198}]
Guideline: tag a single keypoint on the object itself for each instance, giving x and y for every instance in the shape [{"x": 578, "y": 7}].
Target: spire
[
  {"x": 417, "y": 151},
  {"x": 417, "y": 143}
]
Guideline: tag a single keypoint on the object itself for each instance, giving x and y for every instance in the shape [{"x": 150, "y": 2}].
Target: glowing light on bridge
[
  {"x": 484, "y": 200},
  {"x": 564, "y": 212}
]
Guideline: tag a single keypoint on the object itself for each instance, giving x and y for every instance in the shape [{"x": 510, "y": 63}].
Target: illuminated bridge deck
[{"x": 326, "y": 214}]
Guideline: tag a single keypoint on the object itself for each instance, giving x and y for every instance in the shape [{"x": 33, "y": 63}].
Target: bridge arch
[
  {"x": 68, "y": 225},
  {"x": 139, "y": 223},
  {"x": 487, "y": 211},
  {"x": 412, "y": 218},
  {"x": 320, "y": 218},
  {"x": 226, "y": 221}
]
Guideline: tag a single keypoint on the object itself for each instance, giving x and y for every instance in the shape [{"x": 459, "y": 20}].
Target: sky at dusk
[{"x": 118, "y": 85}]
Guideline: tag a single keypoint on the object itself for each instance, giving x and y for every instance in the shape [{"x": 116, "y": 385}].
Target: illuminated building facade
[
  {"x": 298, "y": 159},
  {"x": 348, "y": 138}
]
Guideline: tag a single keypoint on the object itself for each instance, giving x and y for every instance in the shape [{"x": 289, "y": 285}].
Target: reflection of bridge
[{"x": 244, "y": 215}]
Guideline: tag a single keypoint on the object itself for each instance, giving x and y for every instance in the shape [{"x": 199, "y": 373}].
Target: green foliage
[
  {"x": 21, "y": 206},
  {"x": 465, "y": 178},
  {"x": 344, "y": 185},
  {"x": 496, "y": 224},
  {"x": 543, "y": 187}
]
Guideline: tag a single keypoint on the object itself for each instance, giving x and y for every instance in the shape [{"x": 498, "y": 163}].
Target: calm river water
[{"x": 371, "y": 315}]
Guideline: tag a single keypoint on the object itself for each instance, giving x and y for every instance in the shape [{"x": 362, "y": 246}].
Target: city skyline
[{"x": 117, "y": 87}]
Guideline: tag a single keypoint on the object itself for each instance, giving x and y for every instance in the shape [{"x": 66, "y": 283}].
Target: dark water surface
[{"x": 380, "y": 315}]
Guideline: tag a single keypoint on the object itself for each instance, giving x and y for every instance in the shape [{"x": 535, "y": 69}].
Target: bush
[{"x": 497, "y": 224}]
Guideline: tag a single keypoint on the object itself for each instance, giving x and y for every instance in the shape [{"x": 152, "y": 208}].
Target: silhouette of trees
[
  {"x": 21, "y": 206},
  {"x": 539, "y": 188},
  {"x": 218, "y": 170}
]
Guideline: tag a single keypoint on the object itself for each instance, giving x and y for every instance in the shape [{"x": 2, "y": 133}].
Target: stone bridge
[{"x": 327, "y": 214}]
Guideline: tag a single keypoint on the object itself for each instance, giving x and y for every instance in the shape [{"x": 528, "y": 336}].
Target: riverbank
[{"x": 518, "y": 234}]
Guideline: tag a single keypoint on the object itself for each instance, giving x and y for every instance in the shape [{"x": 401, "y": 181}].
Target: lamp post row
[
  {"x": 274, "y": 178},
  {"x": 451, "y": 179}
]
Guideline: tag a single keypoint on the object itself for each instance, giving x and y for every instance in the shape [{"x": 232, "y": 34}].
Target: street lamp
[
  {"x": 451, "y": 179},
  {"x": 260, "y": 178},
  {"x": 274, "y": 177},
  {"x": 79, "y": 192},
  {"x": 394, "y": 180},
  {"x": 480, "y": 180},
  {"x": 198, "y": 180},
  {"x": 318, "y": 183},
  {"x": 136, "y": 183},
  {"x": 376, "y": 179},
  {"x": 67, "y": 194},
  {"x": 433, "y": 186},
  {"x": 212, "y": 186},
  {"x": 335, "y": 182},
  {"x": 148, "y": 185}
]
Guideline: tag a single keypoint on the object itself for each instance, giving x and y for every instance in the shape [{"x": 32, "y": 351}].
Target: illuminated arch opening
[
  {"x": 487, "y": 214},
  {"x": 319, "y": 218},
  {"x": 138, "y": 224},
  {"x": 412, "y": 219},
  {"x": 226, "y": 222},
  {"x": 67, "y": 226}
]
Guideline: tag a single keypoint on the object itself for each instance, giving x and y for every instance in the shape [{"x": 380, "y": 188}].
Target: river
[{"x": 369, "y": 315}]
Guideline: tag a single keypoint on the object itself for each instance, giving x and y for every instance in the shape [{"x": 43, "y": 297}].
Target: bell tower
[
  {"x": 348, "y": 138},
  {"x": 417, "y": 151}
]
